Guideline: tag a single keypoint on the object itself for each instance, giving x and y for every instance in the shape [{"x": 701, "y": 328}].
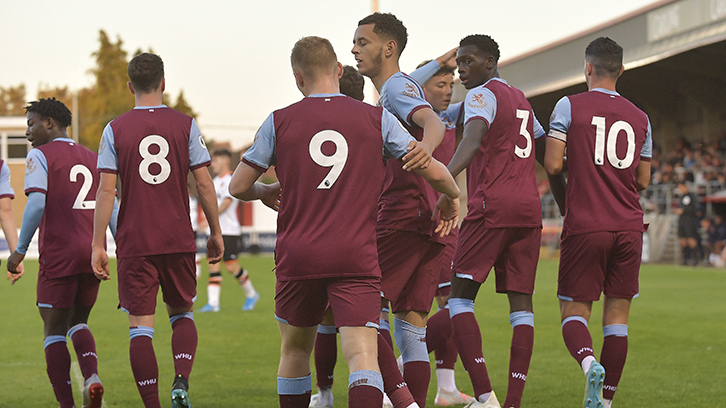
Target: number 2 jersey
[
  {"x": 66, "y": 173},
  {"x": 501, "y": 178},
  {"x": 328, "y": 151},
  {"x": 152, "y": 150},
  {"x": 607, "y": 137}
]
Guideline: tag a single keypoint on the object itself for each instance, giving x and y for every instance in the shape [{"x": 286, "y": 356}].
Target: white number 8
[
  {"x": 150, "y": 158},
  {"x": 336, "y": 161}
]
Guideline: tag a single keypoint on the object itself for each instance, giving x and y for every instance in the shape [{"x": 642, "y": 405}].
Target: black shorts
[
  {"x": 688, "y": 227},
  {"x": 232, "y": 247}
]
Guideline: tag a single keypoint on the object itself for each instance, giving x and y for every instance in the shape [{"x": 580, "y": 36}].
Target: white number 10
[
  {"x": 612, "y": 140},
  {"x": 336, "y": 162}
]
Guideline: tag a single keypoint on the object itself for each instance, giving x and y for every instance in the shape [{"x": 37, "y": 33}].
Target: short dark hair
[
  {"x": 51, "y": 108},
  {"x": 352, "y": 83},
  {"x": 313, "y": 54},
  {"x": 146, "y": 72},
  {"x": 484, "y": 43},
  {"x": 606, "y": 56},
  {"x": 441, "y": 71},
  {"x": 387, "y": 26},
  {"x": 222, "y": 152}
]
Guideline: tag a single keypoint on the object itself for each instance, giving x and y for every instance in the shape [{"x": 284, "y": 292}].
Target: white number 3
[
  {"x": 150, "y": 158},
  {"x": 336, "y": 161},
  {"x": 524, "y": 153}
]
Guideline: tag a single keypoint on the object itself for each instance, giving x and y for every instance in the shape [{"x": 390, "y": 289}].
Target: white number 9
[{"x": 336, "y": 161}]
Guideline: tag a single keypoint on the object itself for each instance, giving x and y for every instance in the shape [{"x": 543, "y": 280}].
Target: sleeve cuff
[
  {"x": 556, "y": 134},
  {"x": 253, "y": 165}
]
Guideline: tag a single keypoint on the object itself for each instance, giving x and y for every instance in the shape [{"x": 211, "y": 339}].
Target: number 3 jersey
[
  {"x": 607, "y": 137},
  {"x": 152, "y": 150},
  {"x": 66, "y": 173},
  {"x": 328, "y": 151},
  {"x": 501, "y": 178}
]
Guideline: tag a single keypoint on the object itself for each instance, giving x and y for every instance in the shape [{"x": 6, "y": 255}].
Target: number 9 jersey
[
  {"x": 607, "y": 137},
  {"x": 152, "y": 150}
]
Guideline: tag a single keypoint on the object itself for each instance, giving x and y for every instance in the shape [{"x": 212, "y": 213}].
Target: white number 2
[
  {"x": 524, "y": 153},
  {"x": 612, "y": 140},
  {"x": 150, "y": 158},
  {"x": 80, "y": 203},
  {"x": 336, "y": 162}
]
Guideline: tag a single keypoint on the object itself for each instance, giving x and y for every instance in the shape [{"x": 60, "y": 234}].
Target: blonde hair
[{"x": 314, "y": 55}]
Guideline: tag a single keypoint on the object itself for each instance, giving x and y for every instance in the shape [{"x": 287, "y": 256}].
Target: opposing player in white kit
[{"x": 231, "y": 234}]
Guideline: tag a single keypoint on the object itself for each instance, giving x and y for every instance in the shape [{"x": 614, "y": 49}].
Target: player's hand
[
  {"x": 215, "y": 248},
  {"x": 99, "y": 263},
  {"x": 418, "y": 157},
  {"x": 448, "y": 60},
  {"x": 448, "y": 209},
  {"x": 15, "y": 267},
  {"x": 271, "y": 196}
]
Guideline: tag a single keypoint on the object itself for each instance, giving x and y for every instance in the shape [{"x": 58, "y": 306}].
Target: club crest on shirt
[
  {"x": 30, "y": 166},
  {"x": 411, "y": 91},
  {"x": 201, "y": 142},
  {"x": 477, "y": 101},
  {"x": 102, "y": 146}
]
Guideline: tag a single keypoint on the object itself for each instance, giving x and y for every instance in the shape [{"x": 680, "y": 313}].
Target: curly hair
[
  {"x": 484, "y": 43},
  {"x": 352, "y": 83},
  {"x": 51, "y": 108},
  {"x": 387, "y": 26}
]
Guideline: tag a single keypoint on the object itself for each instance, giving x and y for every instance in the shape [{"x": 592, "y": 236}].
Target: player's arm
[
  {"x": 244, "y": 186},
  {"x": 31, "y": 220},
  {"x": 208, "y": 201},
  {"x": 642, "y": 175},
  {"x": 225, "y": 204},
  {"x": 474, "y": 132},
  {"x": 105, "y": 197},
  {"x": 557, "y": 182},
  {"x": 441, "y": 180},
  {"x": 554, "y": 156},
  {"x": 11, "y": 234},
  {"x": 419, "y": 156}
]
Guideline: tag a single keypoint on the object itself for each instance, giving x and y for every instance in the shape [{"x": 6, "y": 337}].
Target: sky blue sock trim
[
  {"x": 619, "y": 330},
  {"x": 76, "y": 328},
  {"x": 575, "y": 319},
  {"x": 326, "y": 329},
  {"x": 281, "y": 320},
  {"x": 385, "y": 310},
  {"x": 373, "y": 325},
  {"x": 188, "y": 315},
  {"x": 53, "y": 339},
  {"x": 365, "y": 377},
  {"x": 460, "y": 305},
  {"x": 384, "y": 325},
  {"x": 294, "y": 386},
  {"x": 141, "y": 331},
  {"x": 567, "y": 298},
  {"x": 518, "y": 318},
  {"x": 409, "y": 341},
  {"x": 123, "y": 309},
  {"x": 45, "y": 305}
]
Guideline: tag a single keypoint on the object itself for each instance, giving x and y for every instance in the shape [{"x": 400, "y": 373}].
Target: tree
[
  {"x": 182, "y": 105},
  {"x": 12, "y": 101}
]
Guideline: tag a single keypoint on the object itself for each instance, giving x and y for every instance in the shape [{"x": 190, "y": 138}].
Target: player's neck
[
  {"x": 148, "y": 99},
  {"x": 602, "y": 83},
  {"x": 322, "y": 86},
  {"x": 386, "y": 72}
]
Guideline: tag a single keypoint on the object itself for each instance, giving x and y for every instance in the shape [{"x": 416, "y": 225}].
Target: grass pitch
[{"x": 676, "y": 356}]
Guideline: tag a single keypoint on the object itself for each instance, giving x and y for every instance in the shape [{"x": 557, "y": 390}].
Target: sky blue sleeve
[
  {"x": 6, "y": 189},
  {"x": 395, "y": 137},
  {"x": 113, "y": 223},
  {"x": 31, "y": 219},
  {"x": 480, "y": 103},
  {"x": 405, "y": 97},
  {"x": 453, "y": 111},
  {"x": 36, "y": 172},
  {"x": 262, "y": 152},
  {"x": 561, "y": 119},
  {"x": 198, "y": 153},
  {"x": 423, "y": 74},
  {"x": 647, "y": 150},
  {"x": 107, "y": 157},
  {"x": 536, "y": 126}
]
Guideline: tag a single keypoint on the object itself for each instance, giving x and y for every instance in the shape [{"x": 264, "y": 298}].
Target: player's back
[
  {"x": 153, "y": 149},
  {"x": 604, "y": 145},
  {"x": 501, "y": 177},
  {"x": 329, "y": 160},
  {"x": 66, "y": 229}
]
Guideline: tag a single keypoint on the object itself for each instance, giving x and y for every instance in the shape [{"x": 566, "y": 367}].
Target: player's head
[
  {"x": 379, "y": 37},
  {"x": 146, "y": 73},
  {"x": 604, "y": 58},
  {"x": 221, "y": 161},
  {"x": 47, "y": 119},
  {"x": 439, "y": 88},
  {"x": 477, "y": 60},
  {"x": 352, "y": 83},
  {"x": 313, "y": 59}
]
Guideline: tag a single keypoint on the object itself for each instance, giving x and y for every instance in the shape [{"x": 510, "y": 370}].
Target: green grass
[{"x": 677, "y": 350}]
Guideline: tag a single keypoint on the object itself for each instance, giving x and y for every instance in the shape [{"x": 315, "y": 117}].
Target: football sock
[
  {"x": 393, "y": 384},
  {"x": 365, "y": 389},
  {"x": 578, "y": 341},
  {"x": 85, "y": 347},
  {"x": 198, "y": 265},
  {"x": 244, "y": 280},
  {"x": 446, "y": 379},
  {"x": 143, "y": 365},
  {"x": 613, "y": 355},
  {"x": 384, "y": 329},
  {"x": 411, "y": 341},
  {"x": 326, "y": 354},
  {"x": 183, "y": 342},
  {"x": 294, "y": 392},
  {"x": 467, "y": 337},
  {"x": 214, "y": 288},
  {"x": 438, "y": 330},
  {"x": 58, "y": 367},
  {"x": 520, "y": 356}
]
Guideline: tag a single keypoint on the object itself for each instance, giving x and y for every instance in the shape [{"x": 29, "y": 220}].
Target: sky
[{"x": 232, "y": 58}]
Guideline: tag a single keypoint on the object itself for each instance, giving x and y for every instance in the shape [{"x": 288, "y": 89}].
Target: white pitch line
[{"x": 76, "y": 370}]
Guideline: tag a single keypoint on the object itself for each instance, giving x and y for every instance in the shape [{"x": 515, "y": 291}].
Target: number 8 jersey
[
  {"x": 152, "y": 150},
  {"x": 607, "y": 137}
]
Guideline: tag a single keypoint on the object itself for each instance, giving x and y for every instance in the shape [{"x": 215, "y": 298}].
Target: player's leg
[
  {"x": 360, "y": 348},
  {"x": 294, "y": 383},
  {"x": 394, "y": 385},
  {"x": 384, "y": 324},
  {"x": 85, "y": 347},
  {"x": 57, "y": 357},
  {"x": 326, "y": 354},
  {"x": 233, "y": 247},
  {"x": 521, "y": 317},
  {"x": 615, "y": 344},
  {"x": 214, "y": 288}
]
